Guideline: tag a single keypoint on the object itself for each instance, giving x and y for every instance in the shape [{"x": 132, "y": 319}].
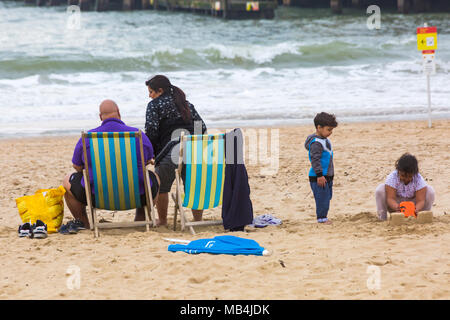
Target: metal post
[
  {"x": 428, "y": 92},
  {"x": 403, "y": 6},
  {"x": 127, "y": 5},
  {"x": 225, "y": 9},
  {"x": 429, "y": 101},
  {"x": 145, "y": 4},
  {"x": 418, "y": 5},
  {"x": 357, "y": 3},
  {"x": 101, "y": 5},
  {"x": 336, "y": 6},
  {"x": 84, "y": 5}
]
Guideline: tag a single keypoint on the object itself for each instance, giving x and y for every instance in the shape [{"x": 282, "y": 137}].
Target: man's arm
[
  {"x": 78, "y": 168},
  {"x": 77, "y": 158}
]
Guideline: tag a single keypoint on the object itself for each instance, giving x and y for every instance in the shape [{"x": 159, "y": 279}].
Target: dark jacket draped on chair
[{"x": 237, "y": 209}]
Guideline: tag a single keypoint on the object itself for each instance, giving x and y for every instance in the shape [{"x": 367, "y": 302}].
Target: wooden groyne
[
  {"x": 244, "y": 9},
  {"x": 228, "y": 9},
  {"x": 402, "y": 6}
]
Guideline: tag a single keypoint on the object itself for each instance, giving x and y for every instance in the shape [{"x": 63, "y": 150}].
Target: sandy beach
[{"x": 308, "y": 261}]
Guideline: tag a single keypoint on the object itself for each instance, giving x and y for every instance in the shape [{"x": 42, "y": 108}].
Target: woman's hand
[{"x": 151, "y": 161}]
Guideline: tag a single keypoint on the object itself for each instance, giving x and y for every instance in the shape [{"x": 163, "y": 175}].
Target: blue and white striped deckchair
[
  {"x": 204, "y": 160},
  {"x": 114, "y": 169}
]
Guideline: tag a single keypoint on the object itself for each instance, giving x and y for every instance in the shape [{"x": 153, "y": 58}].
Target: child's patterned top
[{"x": 405, "y": 191}]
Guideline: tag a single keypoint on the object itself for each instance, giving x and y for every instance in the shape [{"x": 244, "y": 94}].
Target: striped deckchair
[
  {"x": 114, "y": 164},
  {"x": 204, "y": 159}
]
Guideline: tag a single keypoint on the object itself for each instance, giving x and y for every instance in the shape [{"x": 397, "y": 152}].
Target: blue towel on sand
[{"x": 220, "y": 245}]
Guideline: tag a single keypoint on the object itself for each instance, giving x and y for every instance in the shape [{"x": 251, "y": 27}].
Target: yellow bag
[{"x": 46, "y": 205}]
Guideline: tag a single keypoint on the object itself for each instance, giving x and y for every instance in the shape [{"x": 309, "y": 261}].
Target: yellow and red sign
[
  {"x": 252, "y": 6},
  {"x": 427, "y": 39}
]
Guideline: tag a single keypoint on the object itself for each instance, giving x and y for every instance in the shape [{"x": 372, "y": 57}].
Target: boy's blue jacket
[{"x": 321, "y": 156}]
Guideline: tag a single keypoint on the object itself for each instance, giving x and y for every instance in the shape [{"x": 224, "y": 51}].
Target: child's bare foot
[{"x": 324, "y": 221}]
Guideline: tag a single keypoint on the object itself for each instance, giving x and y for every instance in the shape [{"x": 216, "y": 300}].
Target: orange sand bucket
[{"x": 408, "y": 208}]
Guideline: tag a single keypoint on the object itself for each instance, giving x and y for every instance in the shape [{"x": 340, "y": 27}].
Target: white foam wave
[
  {"x": 260, "y": 96},
  {"x": 259, "y": 54}
]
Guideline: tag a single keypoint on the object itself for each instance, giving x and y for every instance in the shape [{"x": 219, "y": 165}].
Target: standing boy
[{"x": 322, "y": 169}]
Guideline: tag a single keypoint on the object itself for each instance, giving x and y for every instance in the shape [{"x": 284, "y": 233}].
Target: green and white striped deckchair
[
  {"x": 114, "y": 164},
  {"x": 204, "y": 159}
]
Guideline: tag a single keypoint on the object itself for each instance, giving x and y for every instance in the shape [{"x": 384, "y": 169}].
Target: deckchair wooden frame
[
  {"x": 92, "y": 215},
  {"x": 177, "y": 197}
]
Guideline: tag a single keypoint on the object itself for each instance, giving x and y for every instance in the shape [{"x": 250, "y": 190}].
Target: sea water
[{"x": 54, "y": 74}]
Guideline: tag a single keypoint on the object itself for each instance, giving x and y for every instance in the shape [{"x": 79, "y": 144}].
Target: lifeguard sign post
[{"x": 427, "y": 43}]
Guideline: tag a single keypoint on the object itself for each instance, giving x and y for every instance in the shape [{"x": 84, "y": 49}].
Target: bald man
[{"x": 75, "y": 195}]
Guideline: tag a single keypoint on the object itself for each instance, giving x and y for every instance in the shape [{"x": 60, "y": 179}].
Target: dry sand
[{"x": 308, "y": 261}]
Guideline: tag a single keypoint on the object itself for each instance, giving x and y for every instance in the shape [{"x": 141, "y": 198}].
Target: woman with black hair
[
  {"x": 167, "y": 115},
  {"x": 403, "y": 184}
]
